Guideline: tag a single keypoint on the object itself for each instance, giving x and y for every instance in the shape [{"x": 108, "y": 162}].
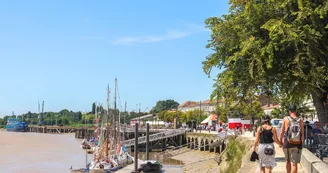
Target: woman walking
[{"x": 266, "y": 135}]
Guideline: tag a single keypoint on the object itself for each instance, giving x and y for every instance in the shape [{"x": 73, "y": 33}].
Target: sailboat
[{"x": 108, "y": 155}]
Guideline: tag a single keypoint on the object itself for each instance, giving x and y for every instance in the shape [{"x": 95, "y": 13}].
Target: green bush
[{"x": 235, "y": 152}]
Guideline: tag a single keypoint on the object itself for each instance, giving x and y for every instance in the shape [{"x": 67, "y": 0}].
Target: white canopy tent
[{"x": 207, "y": 120}]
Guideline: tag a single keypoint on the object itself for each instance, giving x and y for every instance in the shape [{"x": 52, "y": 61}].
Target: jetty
[{"x": 52, "y": 129}]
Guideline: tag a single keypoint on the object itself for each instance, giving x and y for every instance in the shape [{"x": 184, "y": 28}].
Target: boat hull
[{"x": 17, "y": 127}]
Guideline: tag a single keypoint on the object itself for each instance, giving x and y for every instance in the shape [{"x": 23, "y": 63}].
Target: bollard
[
  {"x": 136, "y": 149},
  {"x": 147, "y": 142}
]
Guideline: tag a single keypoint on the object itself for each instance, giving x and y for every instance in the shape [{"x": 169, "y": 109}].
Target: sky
[{"x": 67, "y": 52}]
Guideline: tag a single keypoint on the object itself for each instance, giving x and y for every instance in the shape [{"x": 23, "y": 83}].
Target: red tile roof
[
  {"x": 205, "y": 102},
  {"x": 188, "y": 104}
]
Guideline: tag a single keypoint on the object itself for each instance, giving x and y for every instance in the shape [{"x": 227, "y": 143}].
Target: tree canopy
[
  {"x": 197, "y": 115},
  {"x": 164, "y": 105},
  {"x": 278, "y": 47}
]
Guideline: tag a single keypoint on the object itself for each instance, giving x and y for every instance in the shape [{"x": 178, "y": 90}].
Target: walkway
[{"x": 280, "y": 159}]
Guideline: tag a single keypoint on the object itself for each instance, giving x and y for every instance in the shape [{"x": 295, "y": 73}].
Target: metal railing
[{"x": 155, "y": 137}]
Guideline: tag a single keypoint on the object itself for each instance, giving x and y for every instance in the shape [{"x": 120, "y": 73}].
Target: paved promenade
[{"x": 280, "y": 158}]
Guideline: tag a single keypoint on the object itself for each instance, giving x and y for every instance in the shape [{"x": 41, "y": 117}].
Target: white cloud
[{"x": 170, "y": 35}]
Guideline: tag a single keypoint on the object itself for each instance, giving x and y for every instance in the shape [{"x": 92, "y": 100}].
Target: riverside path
[{"x": 280, "y": 159}]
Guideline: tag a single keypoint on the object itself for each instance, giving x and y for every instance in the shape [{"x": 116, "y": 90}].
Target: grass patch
[{"x": 235, "y": 151}]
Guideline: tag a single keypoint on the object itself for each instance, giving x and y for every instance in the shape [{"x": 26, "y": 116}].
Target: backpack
[{"x": 294, "y": 130}]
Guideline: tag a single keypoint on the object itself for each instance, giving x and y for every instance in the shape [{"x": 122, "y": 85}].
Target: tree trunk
[{"x": 321, "y": 105}]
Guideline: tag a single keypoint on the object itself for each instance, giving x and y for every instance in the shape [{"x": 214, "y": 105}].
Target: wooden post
[
  {"x": 147, "y": 142},
  {"x": 136, "y": 149},
  {"x": 86, "y": 158}
]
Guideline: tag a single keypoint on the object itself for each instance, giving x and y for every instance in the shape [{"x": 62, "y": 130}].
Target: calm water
[
  {"x": 47, "y": 153},
  {"x": 36, "y": 152}
]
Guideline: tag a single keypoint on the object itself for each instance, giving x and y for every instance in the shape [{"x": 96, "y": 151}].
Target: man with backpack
[{"x": 292, "y": 137}]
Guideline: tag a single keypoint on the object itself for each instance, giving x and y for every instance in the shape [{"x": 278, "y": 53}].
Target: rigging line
[{"x": 118, "y": 94}]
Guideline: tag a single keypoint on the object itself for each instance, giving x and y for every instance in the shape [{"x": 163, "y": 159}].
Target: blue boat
[{"x": 15, "y": 125}]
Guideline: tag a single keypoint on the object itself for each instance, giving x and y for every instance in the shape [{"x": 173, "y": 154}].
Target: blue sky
[{"x": 66, "y": 52}]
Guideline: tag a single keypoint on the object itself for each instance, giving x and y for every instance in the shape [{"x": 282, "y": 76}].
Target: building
[
  {"x": 268, "y": 108},
  {"x": 188, "y": 106},
  {"x": 207, "y": 106},
  {"x": 312, "y": 112},
  {"x": 142, "y": 119}
]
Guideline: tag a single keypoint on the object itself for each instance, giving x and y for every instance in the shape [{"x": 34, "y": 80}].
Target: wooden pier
[{"x": 57, "y": 129}]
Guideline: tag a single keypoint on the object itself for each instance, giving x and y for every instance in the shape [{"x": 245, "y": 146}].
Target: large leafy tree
[
  {"x": 164, "y": 105},
  {"x": 278, "y": 47},
  {"x": 167, "y": 116},
  {"x": 191, "y": 115}
]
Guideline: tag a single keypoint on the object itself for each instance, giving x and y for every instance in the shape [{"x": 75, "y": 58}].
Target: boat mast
[
  {"x": 124, "y": 122},
  {"x": 114, "y": 115},
  {"x": 107, "y": 123},
  {"x": 42, "y": 112},
  {"x": 96, "y": 112},
  {"x": 39, "y": 113}
]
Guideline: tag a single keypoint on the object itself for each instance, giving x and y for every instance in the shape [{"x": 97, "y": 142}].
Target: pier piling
[
  {"x": 136, "y": 149},
  {"x": 147, "y": 142}
]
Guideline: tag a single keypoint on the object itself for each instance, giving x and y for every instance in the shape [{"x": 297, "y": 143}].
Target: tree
[
  {"x": 4, "y": 120},
  {"x": 191, "y": 115},
  {"x": 167, "y": 116},
  {"x": 221, "y": 113},
  {"x": 276, "y": 113},
  {"x": 246, "y": 108},
  {"x": 278, "y": 47},
  {"x": 129, "y": 116},
  {"x": 165, "y": 105},
  {"x": 93, "y": 111}
]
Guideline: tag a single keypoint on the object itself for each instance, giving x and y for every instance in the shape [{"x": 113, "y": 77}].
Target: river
[{"x": 46, "y": 153}]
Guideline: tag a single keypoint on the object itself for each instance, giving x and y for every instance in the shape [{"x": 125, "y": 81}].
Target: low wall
[{"x": 311, "y": 163}]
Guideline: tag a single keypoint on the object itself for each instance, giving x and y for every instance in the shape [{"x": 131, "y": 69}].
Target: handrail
[{"x": 154, "y": 137}]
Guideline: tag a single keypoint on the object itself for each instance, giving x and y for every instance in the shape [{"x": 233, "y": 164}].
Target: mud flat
[{"x": 198, "y": 161}]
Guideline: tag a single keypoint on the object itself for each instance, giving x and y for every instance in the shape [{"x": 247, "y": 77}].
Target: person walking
[
  {"x": 266, "y": 135},
  {"x": 292, "y": 136}
]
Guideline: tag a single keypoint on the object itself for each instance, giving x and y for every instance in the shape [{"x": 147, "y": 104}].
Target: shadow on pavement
[{"x": 280, "y": 159}]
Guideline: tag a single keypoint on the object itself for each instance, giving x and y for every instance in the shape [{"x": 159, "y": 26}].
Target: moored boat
[{"x": 15, "y": 125}]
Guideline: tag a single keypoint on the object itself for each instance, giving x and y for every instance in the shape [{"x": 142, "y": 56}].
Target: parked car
[{"x": 275, "y": 122}]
